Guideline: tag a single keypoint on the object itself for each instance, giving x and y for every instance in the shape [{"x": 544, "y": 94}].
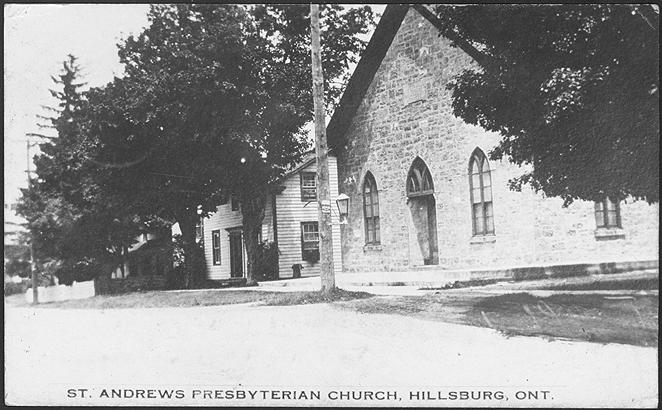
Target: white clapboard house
[{"x": 290, "y": 223}]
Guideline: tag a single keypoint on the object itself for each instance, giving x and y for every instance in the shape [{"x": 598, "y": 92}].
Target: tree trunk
[
  {"x": 122, "y": 269},
  {"x": 109, "y": 261},
  {"x": 252, "y": 210},
  {"x": 125, "y": 259},
  {"x": 193, "y": 264},
  {"x": 33, "y": 275},
  {"x": 120, "y": 255},
  {"x": 323, "y": 196}
]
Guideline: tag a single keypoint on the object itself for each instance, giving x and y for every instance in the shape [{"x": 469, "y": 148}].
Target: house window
[
  {"x": 234, "y": 203},
  {"x": 607, "y": 214},
  {"x": 310, "y": 241},
  {"x": 371, "y": 209},
  {"x": 216, "y": 247},
  {"x": 308, "y": 187},
  {"x": 480, "y": 184}
]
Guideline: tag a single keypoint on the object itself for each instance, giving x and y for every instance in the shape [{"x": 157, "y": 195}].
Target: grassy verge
[
  {"x": 465, "y": 284},
  {"x": 302, "y": 298},
  {"x": 594, "y": 318},
  {"x": 578, "y": 283},
  {"x": 158, "y": 299},
  {"x": 630, "y": 284}
]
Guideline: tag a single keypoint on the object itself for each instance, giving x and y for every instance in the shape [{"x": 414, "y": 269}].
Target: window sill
[
  {"x": 483, "y": 239},
  {"x": 372, "y": 247},
  {"x": 609, "y": 233}
]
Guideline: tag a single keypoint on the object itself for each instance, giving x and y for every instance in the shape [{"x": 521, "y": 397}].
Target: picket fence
[{"x": 58, "y": 293}]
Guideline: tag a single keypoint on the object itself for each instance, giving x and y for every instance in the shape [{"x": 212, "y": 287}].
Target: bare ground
[{"x": 312, "y": 346}]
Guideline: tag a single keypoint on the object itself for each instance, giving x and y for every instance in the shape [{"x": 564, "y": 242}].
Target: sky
[{"x": 37, "y": 39}]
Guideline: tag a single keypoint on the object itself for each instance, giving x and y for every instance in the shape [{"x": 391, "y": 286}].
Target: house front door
[{"x": 236, "y": 255}]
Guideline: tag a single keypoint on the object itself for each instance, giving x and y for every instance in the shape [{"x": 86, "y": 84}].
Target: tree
[
  {"x": 17, "y": 254},
  {"x": 69, "y": 221},
  {"x": 70, "y": 100},
  {"x": 280, "y": 44},
  {"x": 572, "y": 89},
  {"x": 45, "y": 210},
  {"x": 213, "y": 104}
]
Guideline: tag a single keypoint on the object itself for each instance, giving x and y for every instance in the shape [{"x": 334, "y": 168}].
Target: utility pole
[
  {"x": 321, "y": 149},
  {"x": 33, "y": 271}
]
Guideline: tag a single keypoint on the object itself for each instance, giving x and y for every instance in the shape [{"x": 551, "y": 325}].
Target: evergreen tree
[{"x": 69, "y": 221}]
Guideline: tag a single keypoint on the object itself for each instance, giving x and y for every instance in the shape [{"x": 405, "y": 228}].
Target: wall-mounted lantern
[{"x": 342, "y": 201}]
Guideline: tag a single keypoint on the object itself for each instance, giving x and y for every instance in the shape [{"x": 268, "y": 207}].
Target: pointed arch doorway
[{"x": 422, "y": 205}]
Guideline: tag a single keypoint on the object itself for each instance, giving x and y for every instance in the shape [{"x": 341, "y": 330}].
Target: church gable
[
  {"x": 398, "y": 120},
  {"x": 407, "y": 104},
  {"x": 406, "y": 115}
]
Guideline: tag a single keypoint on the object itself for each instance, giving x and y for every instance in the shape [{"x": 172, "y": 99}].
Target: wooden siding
[
  {"x": 290, "y": 212},
  {"x": 222, "y": 219}
]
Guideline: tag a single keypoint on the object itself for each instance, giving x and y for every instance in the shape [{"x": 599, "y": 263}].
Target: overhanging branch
[
  {"x": 122, "y": 164},
  {"x": 481, "y": 58}
]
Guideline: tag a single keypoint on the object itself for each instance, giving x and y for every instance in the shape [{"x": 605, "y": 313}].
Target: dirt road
[{"x": 51, "y": 354}]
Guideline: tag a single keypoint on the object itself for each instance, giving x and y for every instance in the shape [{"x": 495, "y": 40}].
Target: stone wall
[
  {"x": 407, "y": 113},
  {"x": 570, "y": 234}
]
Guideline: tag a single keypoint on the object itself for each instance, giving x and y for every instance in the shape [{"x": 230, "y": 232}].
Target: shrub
[
  {"x": 12, "y": 288},
  {"x": 18, "y": 267},
  {"x": 267, "y": 262},
  {"x": 80, "y": 271},
  {"x": 175, "y": 278}
]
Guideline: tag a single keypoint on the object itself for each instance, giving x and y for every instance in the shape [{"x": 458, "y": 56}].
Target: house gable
[
  {"x": 292, "y": 210},
  {"x": 285, "y": 212}
]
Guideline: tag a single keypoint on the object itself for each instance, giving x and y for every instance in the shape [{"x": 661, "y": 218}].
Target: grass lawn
[
  {"x": 594, "y": 318},
  {"x": 156, "y": 299},
  {"x": 631, "y": 284}
]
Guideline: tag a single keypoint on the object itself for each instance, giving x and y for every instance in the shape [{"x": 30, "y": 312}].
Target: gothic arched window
[
  {"x": 371, "y": 209},
  {"x": 480, "y": 184},
  {"x": 419, "y": 180}
]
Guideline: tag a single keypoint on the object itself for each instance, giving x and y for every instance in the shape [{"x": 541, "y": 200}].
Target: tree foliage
[
  {"x": 213, "y": 103},
  {"x": 572, "y": 89},
  {"x": 70, "y": 219}
]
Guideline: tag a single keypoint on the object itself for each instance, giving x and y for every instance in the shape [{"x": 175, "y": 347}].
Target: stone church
[{"x": 422, "y": 190}]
